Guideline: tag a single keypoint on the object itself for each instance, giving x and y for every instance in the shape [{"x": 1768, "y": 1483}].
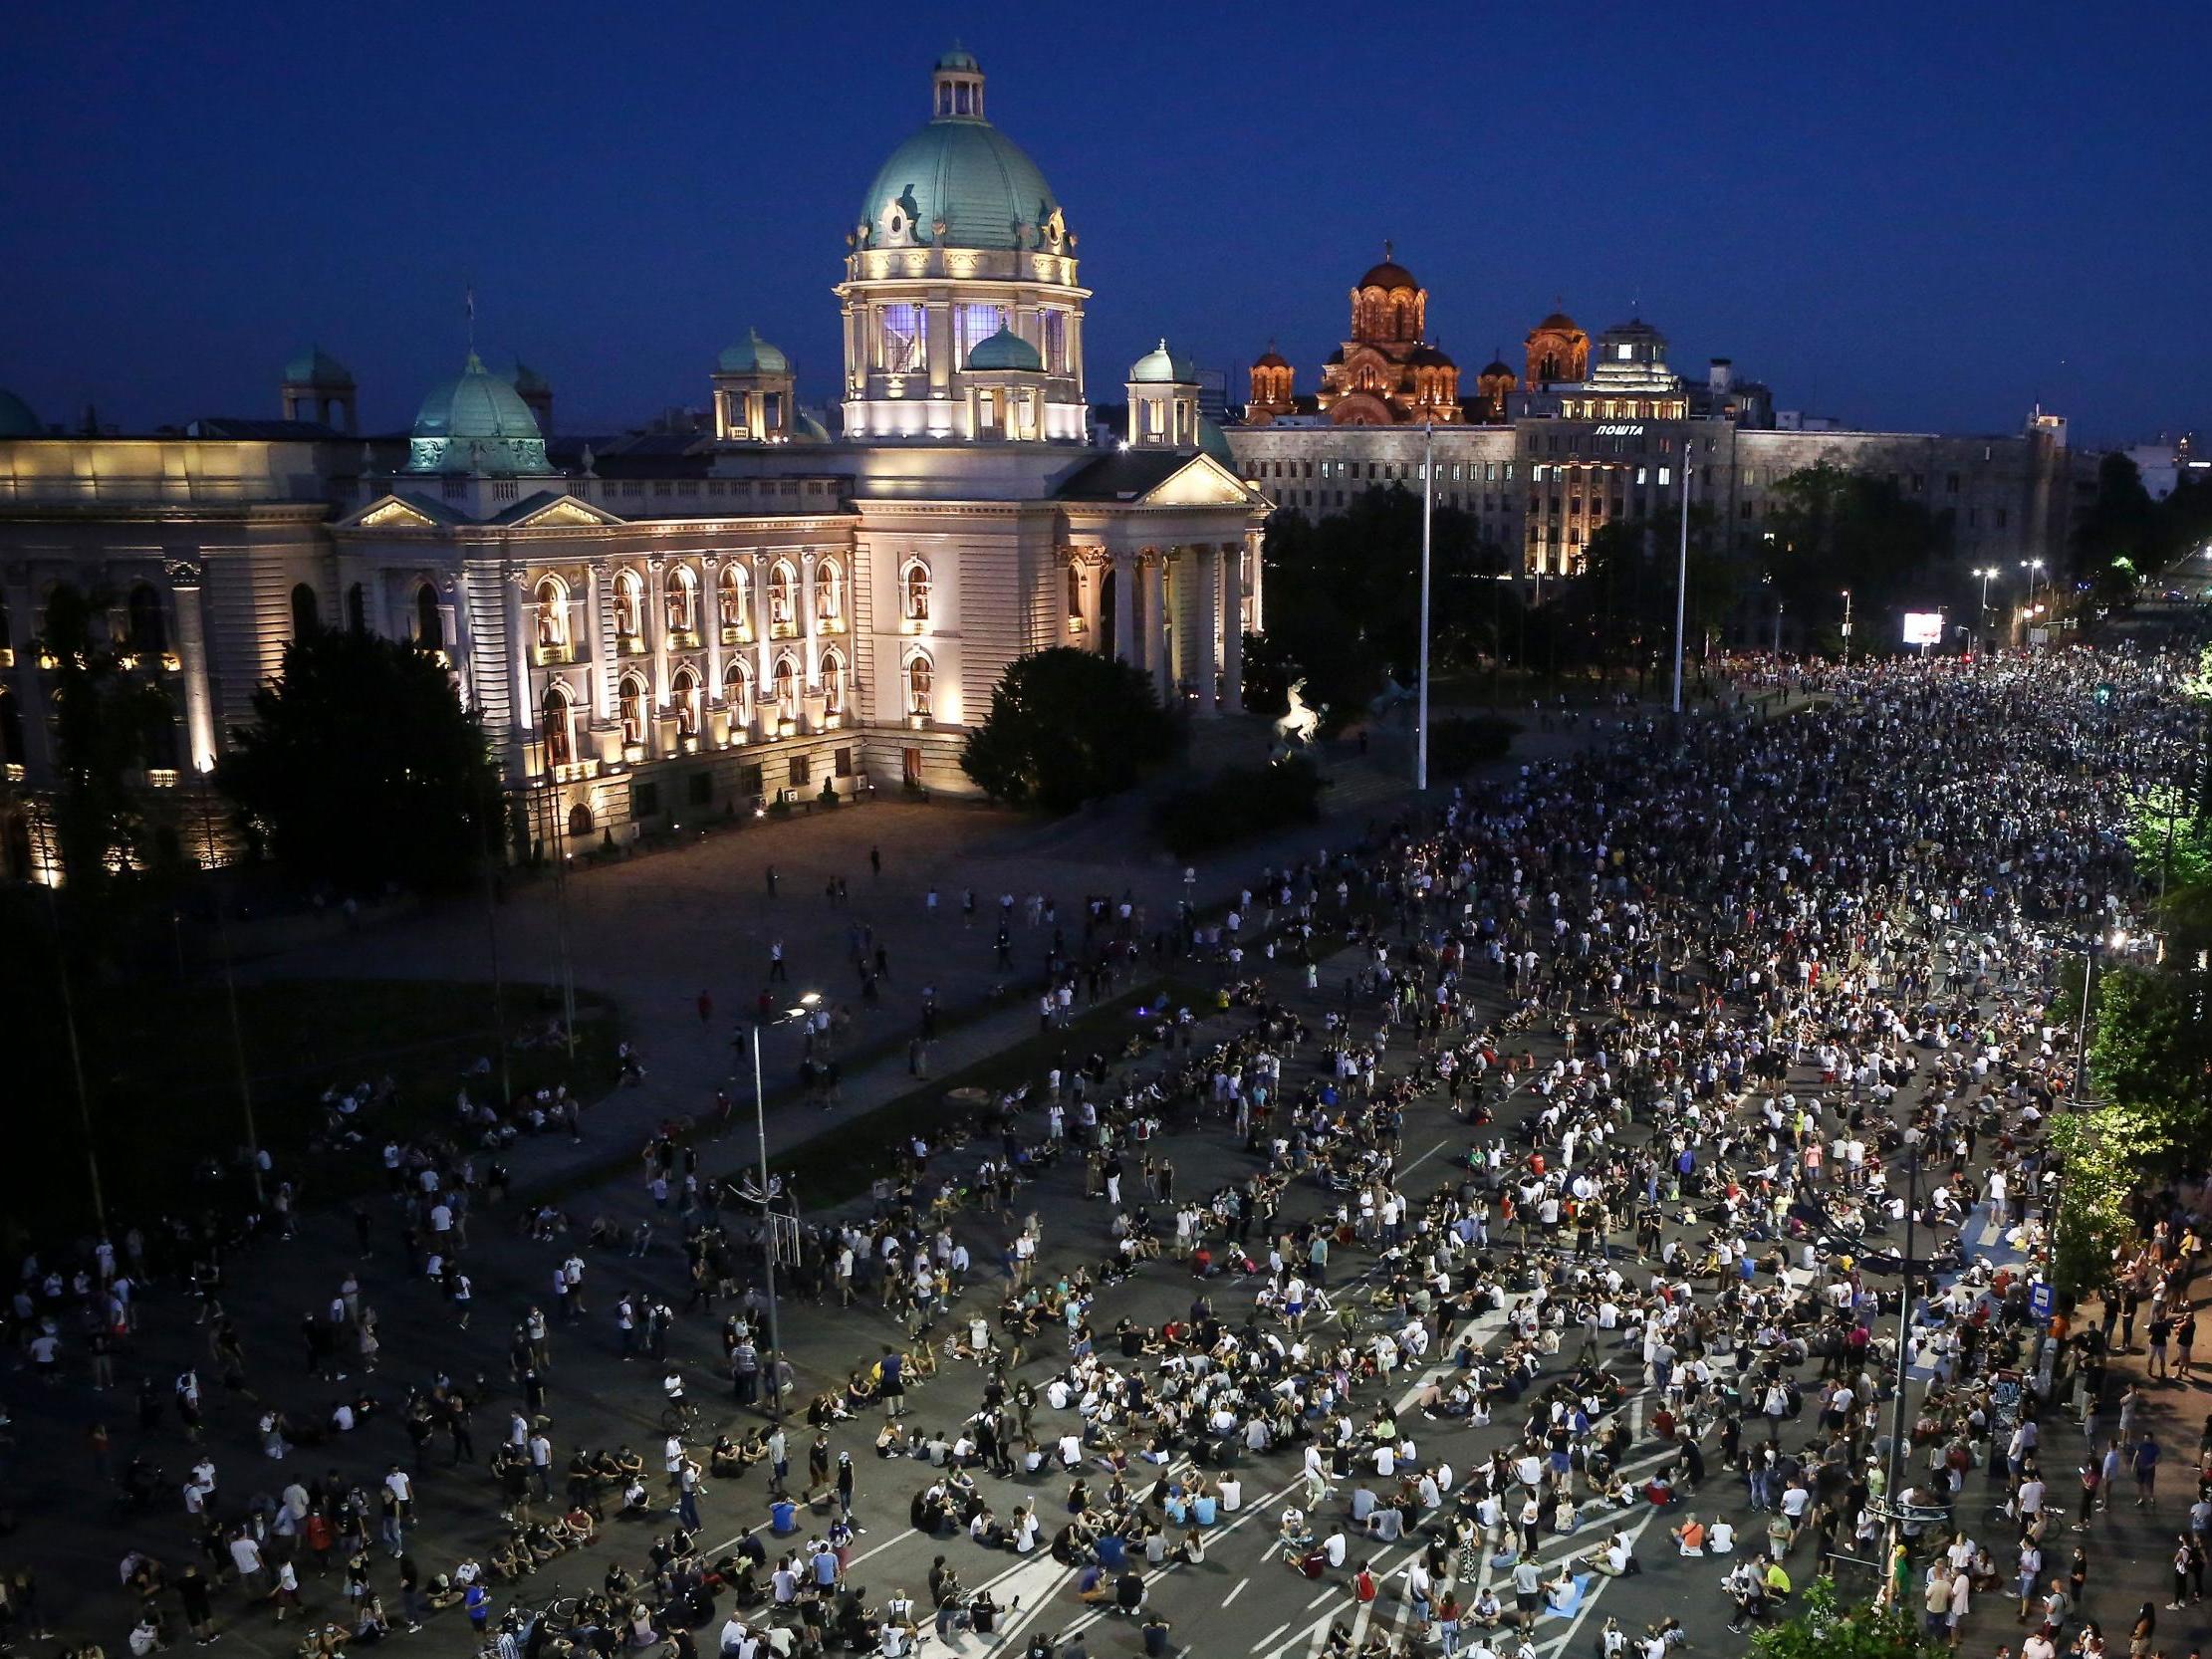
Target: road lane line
[{"x": 1237, "y": 1589}]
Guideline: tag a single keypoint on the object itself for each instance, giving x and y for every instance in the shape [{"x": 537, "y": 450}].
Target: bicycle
[{"x": 680, "y": 1417}]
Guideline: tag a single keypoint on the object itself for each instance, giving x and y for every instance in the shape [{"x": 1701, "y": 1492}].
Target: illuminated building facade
[{"x": 657, "y": 628}]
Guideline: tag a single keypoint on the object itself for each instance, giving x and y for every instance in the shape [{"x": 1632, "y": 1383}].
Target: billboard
[{"x": 1924, "y": 628}]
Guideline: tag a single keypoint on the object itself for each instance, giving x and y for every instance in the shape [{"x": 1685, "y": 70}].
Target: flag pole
[
  {"x": 1682, "y": 575},
  {"x": 1428, "y": 509}
]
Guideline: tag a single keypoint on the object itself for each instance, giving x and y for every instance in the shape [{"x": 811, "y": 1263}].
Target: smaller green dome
[
  {"x": 16, "y": 417},
  {"x": 806, "y": 430},
  {"x": 958, "y": 60},
  {"x": 317, "y": 367},
  {"x": 1213, "y": 441},
  {"x": 754, "y": 355},
  {"x": 1006, "y": 349},
  {"x": 1160, "y": 367}
]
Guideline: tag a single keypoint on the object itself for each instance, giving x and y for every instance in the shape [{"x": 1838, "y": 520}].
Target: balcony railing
[{"x": 561, "y": 651}]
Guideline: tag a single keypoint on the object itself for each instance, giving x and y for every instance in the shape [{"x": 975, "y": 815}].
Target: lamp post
[
  {"x": 1429, "y": 512},
  {"x": 1981, "y": 618},
  {"x": 1681, "y": 587},
  {"x": 2081, "y": 1022},
  {"x": 804, "y": 1010},
  {"x": 1846, "y": 628}
]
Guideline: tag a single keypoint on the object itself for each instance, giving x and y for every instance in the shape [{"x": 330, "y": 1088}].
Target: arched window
[
  {"x": 913, "y": 584},
  {"x": 631, "y": 701},
  {"x": 357, "y": 609},
  {"x": 1074, "y": 593},
  {"x": 551, "y": 605},
  {"x": 429, "y": 626},
  {"x": 783, "y": 588},
  {"x": 148, "y": 636},
  {"x": 737, "y": 692},
  {"x": 684, "y": 697},
  {"x": 630, "y": 604},
  {"x": 160, "y": 731},
  {"x": 920, "y": 677},
  {"x": 65, "y": 610},
  {"x": 828, "y": 591},
  {"x": 787, "y": 688},
  {"x": 11, "y": 729},
  {"x": 307, "y": 613},
  {"x": 732, "y": 590},
  {"x": 580, "y": 821},
  {"x": 558, "y": 717},
  {"x": 682, "y": 595},
  {"x": 833, "y": 682}
]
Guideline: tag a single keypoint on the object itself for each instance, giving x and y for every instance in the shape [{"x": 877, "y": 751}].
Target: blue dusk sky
[{"x": 1924, "y": 216}]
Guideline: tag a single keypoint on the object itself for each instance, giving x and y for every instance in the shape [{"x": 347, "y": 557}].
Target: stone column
[
  {"x": 763, "y": 647},
  {"x": 710, "y": 626},
  {"x": 1125, "y": 605},
  {"x": 1232, "y": 628},
  {"x": 520, "y": 712},
  {"x": 1158, "y": 658},
  {"x": 655, "y": 619},
  {"x": 1255, "y": 542},
  {"x": 185, "y": 578},
  {"x": 1208, "y": 625},
  {"x": 603, "y": 662}
]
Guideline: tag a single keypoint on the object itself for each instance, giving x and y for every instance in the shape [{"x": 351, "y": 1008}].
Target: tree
[
  {"x": 1827, "y": 1629},
  {"x": 1065, "y": 727},
  {"x": 2123, "y": 523},
  {"x": 1838, "y": 528},
  {"x": 2151, "y": 1051},
  {"x": 109, "y": 722},
  {"x": 361, "y": 767}
]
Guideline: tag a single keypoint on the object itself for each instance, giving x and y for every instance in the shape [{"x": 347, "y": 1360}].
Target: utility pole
[
  {"x": 230, "y": 997},
  {"x": 1846, "y": 628},
  {"x": 1681, "y": 587},
  {"x": 1428, "y": 514}
]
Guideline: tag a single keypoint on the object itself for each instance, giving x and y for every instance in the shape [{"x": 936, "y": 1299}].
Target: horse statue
[{"x": 1297, "y": 728}]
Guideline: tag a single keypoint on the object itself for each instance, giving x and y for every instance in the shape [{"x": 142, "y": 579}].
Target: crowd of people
[{"x": 1711, "y": 1016}]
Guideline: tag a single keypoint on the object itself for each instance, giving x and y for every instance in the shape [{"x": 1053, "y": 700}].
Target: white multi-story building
[{"x": 654, "y": 629}]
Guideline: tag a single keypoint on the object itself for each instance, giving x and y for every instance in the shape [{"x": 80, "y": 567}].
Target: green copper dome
[
  {"x": 16, "y": 417},
  {"x": 754, "y": 355},
  {"x": 1006, "y": 349},
  {"x": 1213, "y": 441},
  {"x": 317, "y": 367},
  {"x": 964, "y": 172},
  {"x": 1160, "y": 367},
  {"x": 476, "y": 422}
]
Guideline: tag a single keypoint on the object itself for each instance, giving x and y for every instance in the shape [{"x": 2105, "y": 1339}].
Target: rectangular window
[
  {"x": 750, "y": 781},
  {"x": 1951, "y": 483},
  {"x": 845, "y": 763},
  {"x": 1056, "y": 342},
  {"x": 972, "y": 325},
  {"x": 909, "y": 766},
  {"x": 903, "y": 343},
  {"x": 2001, "y": 516},
  {"x": 701, "y": 788},
  {"x": 645, "y": 800},
  {"x": 796, "y": 773},
  {"x": 1666, "y": 476}
]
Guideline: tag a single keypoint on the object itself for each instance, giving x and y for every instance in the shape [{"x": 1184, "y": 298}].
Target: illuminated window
[
  {"x": 551, "y": 605},
  {"x": 972, "y": 325},
  {"x": 684, "y": 697},
  {"x": 833, "y": 682},
  {"x": 680, "y": 593},
  {"x": 915, "y": 590},
  {"x": 1056, "y": 342},
  {"x": 920, "y": 677},
  {"x": 730, "y": 599},
  {"x": 905, "y": 339},
  {"x": 828, "y": 591},
  {"x": 558, "y": 722},
  {"x": 630, "y": 708},
  {"x": 630, "y": 604},
  {"x": 787, "y": 688},
  {"x": 783, "y": 585},
  {"x": 737, "y": 691}
]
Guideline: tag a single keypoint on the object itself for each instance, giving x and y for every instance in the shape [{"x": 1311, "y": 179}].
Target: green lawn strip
[
  {"x": 163, "y": 1071},
  {"x": 840, "y": 1162}
]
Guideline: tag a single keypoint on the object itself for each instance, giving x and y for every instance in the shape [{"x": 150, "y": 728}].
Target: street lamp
[
  {"x": 805, "y": 1010},
  {"x": 2117, "y": 941},
  {"x": 1986, "y": 572},
  {"x": 1846, "y": 628}
]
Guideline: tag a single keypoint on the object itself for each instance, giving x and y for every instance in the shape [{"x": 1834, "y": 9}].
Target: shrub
[
  {"x": 1241, "y": 801},
  {"x": 1461, "y": 743}
]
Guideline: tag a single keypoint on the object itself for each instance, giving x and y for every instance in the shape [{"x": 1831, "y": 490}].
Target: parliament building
[{"x": 655, "y": 628}]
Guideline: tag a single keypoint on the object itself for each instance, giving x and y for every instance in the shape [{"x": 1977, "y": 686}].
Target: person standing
[{"x": 199, "y": 1617}]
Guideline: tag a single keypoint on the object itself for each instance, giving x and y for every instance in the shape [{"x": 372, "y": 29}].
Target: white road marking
[{"x": 1238, "y": 1588}]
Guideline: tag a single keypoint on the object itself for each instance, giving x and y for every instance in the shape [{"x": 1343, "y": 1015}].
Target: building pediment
[
  {"x": 402, "y": 511},
  {"x": 546, "y": 511},
  {"x": 1200, "y": 482}
]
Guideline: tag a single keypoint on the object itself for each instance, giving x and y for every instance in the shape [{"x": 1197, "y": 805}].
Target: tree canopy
[
  {"x": 1068, "y": 726},
  {"x": 1834, "y": 528},
  {"x": 109, "y": 722},
  {"x": 1828, "y": 1629},
  {"x": 1343, "y": 599},
  {"x": 361, "y": 767}
]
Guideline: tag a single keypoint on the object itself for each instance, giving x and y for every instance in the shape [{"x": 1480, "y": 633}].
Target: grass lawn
[
  {"x": 163, "y": 1071},
  {"x": 840, "y": 1164}
]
